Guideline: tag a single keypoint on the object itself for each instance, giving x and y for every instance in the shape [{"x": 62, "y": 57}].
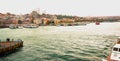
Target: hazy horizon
[{"x": 63, "y": 7}]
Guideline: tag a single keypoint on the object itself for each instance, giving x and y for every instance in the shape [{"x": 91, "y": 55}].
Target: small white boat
[
  {"x": 104, "y": 60},
  {"x": 20, "y": 27},
  {"x": 13, "y": 26},
  {"x": 30, "y": 26},
  {"x": 115, "y": 52}
]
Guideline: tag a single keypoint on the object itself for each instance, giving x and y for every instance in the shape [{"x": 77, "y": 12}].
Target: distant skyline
[{"x": 64, "y": 7}]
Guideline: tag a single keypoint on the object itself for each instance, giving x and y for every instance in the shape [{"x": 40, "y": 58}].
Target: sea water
[{"x": 63, "y": 43}]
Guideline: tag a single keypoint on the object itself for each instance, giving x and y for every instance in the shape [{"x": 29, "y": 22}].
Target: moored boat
[
  {"x": 4, "y": 26},
  {"x": 30, "y": 26},
  {"x": 13, "y": 26}
]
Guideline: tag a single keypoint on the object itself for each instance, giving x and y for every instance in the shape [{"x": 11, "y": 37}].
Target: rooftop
[{"x": 117, "y": 45}]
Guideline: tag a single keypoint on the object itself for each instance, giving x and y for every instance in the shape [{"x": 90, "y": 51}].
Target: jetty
[{"x": 9, "y": 46}]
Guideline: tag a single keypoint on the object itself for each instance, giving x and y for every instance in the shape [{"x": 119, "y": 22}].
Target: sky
[{"x": 64, "y": 7}]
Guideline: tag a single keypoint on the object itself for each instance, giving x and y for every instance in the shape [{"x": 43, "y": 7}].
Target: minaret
[{"x": 38, "y": 11}]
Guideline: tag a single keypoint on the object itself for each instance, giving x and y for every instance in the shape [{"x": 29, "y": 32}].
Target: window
[
  {"x": 119, "y": 49},
  {"x": 115, "y": 49}
]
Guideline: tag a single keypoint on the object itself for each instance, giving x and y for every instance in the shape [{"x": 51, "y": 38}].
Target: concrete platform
[{"x": 9, "y": 46}]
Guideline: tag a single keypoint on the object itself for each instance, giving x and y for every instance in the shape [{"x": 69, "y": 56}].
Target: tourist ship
[{"x": 115, "y": 52}]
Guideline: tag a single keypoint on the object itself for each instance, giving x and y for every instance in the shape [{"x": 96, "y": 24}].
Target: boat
[
  {"x": 4, "y": 26},
  {"x": 30, "y": 26},
  {"x": 19, "y": 27},
  {"x": 9, "y": 46},
  {"x": 97, "y": 23},
  {"x": 13, "y": 26},
  {"x": 115, "y": 52}
]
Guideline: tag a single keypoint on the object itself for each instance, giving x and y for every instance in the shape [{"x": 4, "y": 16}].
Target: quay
[{"x": 9, "y": 46}]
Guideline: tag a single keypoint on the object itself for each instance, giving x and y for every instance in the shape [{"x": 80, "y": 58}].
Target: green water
[{"x": 63, "y": 43}]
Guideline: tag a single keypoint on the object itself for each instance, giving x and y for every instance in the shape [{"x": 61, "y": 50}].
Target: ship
[{"x": 115, "y": 52}]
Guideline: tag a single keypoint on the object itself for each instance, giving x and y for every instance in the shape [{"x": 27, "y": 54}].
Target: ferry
[{"x": 115, "y": 52}]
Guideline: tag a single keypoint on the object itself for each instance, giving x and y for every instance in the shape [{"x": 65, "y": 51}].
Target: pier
[{"x": 9, "y": 46}]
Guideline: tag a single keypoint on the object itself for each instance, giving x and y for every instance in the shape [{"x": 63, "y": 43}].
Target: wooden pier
[{"x": 9, "y": 46}]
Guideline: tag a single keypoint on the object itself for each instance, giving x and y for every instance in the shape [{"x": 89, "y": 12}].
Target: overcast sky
[{"x": 66, "y": 7}]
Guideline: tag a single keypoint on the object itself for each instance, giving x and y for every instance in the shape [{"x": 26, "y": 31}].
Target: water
[{"x": 63, "y": 43}]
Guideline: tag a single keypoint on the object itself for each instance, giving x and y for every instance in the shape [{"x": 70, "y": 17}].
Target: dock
[{"x": 9, "y": 46}]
